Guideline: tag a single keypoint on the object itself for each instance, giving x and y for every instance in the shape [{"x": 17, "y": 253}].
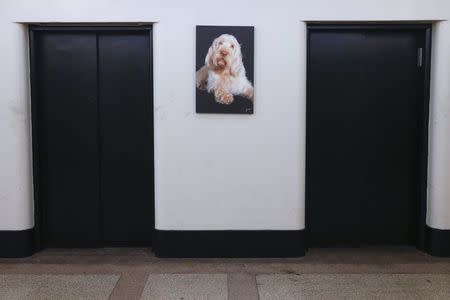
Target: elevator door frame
[
  {"x": 423, "y": 164},
  {"x": 39, "y": 234}
]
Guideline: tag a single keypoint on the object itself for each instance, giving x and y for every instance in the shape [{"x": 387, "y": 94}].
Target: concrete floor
[{"x": 121, "y": 273}]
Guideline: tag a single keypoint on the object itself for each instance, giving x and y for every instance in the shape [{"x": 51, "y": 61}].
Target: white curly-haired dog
[{"x": 224, "y": 73}]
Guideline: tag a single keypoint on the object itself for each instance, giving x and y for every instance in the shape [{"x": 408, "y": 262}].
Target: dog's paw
[
  {"x": 201, "y": 85},
  {"x": 223, "y": 97},
  {"x": 248, "y": 93},
  {"x": 226, "y": 98},
  {"x": 201, "y": 78}
]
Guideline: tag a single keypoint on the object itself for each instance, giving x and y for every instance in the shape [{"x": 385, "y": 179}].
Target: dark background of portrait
[{"x": 205, "y": 36}]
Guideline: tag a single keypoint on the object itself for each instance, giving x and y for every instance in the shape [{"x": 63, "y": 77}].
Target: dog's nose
[{"x": 223, "y": 52}]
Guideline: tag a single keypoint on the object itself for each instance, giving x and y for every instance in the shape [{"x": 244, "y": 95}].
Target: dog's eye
[
  {"x": 232, "y": 46},
  {"x": 220, "y": 43}
]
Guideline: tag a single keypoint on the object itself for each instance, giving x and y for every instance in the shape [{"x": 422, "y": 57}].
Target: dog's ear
[
  {"x": 237, "y": 66},
  {"x": 208, "y": 58}
]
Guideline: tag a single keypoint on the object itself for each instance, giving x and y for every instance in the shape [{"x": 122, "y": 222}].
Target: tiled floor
[
  {"x": 354, "y": 286},
  {"x": 371, "y": 273},
  {"x": 186, "y": 286},
  {"x": 56, "y": 286}
]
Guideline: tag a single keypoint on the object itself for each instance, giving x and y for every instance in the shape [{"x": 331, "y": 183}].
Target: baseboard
[
  {"x": 229, "y": 243},
  {"x": 15, "y": 244},
  {"x": 437, "y": 242}
]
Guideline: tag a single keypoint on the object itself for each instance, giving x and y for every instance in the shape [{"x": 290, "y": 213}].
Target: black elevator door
[
  {"x": 364, "y": 118},
  {"x": 67, "y": 117},
  {"x": 126, "y": 138},
  {"x": 93, "y": 129}
]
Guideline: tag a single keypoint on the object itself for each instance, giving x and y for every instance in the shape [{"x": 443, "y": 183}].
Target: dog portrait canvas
[{"x": 224, "y": 69}]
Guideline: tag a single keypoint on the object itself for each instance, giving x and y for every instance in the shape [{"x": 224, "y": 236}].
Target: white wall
[
  {"x": 202, "y": 179},
  {"x": 438, "y": 214}
]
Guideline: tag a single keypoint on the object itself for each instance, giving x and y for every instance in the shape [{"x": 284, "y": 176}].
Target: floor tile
[
  {"x": 186, "y": 287},
  {"x": 61, "y": 287},
  {"x": 353, "y": 286}
]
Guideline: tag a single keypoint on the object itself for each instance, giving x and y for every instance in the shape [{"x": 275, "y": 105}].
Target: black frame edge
[
  {"x": 88, "y": 27},
  {"x": 37, "y": 237},
  {"x": 365, "y": 25},
  {"x": 421, "y": 242},
  {"x": 16, "y": 243},
  {"x": 228, "y": 243}
]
